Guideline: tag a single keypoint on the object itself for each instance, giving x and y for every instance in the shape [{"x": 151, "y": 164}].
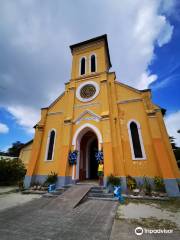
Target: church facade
[{"x": 96, "y": 113}]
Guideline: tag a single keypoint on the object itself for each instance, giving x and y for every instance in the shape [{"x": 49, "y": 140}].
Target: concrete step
[
  {"x": 98, "y": 188},
  {"x": 100, "y": 195},
  {"x": 103, "y": 198}
]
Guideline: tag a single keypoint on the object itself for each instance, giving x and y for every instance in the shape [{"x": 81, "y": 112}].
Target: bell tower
[{"x": 90, "y": 57}]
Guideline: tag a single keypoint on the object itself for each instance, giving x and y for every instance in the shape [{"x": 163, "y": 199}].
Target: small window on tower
[
  {"x": 83, "y": 66},
  {"x": 93, "y": 63}
]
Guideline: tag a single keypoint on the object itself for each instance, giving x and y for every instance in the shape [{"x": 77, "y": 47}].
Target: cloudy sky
[{"x": 35, "y": 60}]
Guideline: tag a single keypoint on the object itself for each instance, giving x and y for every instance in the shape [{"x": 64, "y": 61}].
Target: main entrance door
[{"x": 88, "y": 163}]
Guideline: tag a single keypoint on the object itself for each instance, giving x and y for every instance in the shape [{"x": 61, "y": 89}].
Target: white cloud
[
  {"x": 145, "y": 80},
  {"x": 172, "y": 122},
  {"x": 3, "y": 128},
  {"x": 25, "y": 116},
  {"x": 35, "y": 41}
]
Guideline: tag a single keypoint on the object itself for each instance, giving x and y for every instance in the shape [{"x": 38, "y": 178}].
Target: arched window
[
  {"x": 137, "y": 147},
  {"x": 51, "y": 141},
  {"x": 82, "y": 66},
  {"x": 93, "y": 63}
]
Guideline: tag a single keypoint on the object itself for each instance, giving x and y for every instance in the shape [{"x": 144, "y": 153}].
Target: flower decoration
[
  {"x": 99, "y": 156},
  {"x": 73, "y": 157}
]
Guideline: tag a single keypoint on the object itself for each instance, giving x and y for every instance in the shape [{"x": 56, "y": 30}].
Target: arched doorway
[
  {"x": 87, "y": 161},
  {"x": 86, "y": 140}
]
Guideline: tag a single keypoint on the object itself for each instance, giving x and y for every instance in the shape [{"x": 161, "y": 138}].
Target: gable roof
[
  {"x": 27, "y": 143},
  {"x": 132, "y": 88},
  {"x": 102, "y": 37}
]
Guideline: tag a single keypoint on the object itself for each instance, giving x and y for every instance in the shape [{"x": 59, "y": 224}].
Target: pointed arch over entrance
[
  {"x": 87, "y": 140},
  {"x": 82, "y": 130}
]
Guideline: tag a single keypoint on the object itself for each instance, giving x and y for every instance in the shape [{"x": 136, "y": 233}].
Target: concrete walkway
[
  {"x": 151, "y": 217},
  {"x": 8, "y": 189},
  {"x": 53, "y": 219},
  {"x": 8, "y": 200}
]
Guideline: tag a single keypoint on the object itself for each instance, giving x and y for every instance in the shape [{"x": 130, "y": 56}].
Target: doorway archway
[
  {"x": 87, "y": 140},
  {"x": 87, "y": 162}
]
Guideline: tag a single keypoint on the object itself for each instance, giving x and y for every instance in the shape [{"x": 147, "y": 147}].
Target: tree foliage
[
  {"x": 15, "y": 149},
  {"x": 12, "y": 171},
  {"x": 172, "y": 141}
]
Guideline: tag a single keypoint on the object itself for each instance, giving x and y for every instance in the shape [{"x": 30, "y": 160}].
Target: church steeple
[{"x": 90, "y": 57}]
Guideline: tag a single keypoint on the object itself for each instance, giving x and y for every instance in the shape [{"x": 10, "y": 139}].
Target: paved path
[
  {"x": 125, "y": 230},
  {"x": 9, "y": 200},
  {"x": 48, "y": 219},
  {"x": 5, "y": 189}
]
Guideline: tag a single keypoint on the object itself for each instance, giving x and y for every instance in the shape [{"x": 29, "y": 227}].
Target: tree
[
  {"x": 12, "y": 171},
  {"x": 173, "y": 144},
  {"x": 176, "y": 149},
  {"x": 15, "y": 149}
]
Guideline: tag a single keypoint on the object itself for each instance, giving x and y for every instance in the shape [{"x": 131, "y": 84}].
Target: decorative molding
[
  {"x": 94, "y": 117},
  {"x": 103, "y": 81},
  {"x": 151, "y": 114},
  {"x": 86, "y": 105},
  {"x": 104, "y": 118},
  {"x": 78, "y": 95},
  {"x": 54, "y": 113},
  {"x": 67, "y": 121},
  {"x": 89, "y": 76},
  {"x": 40, "y": 127},
  {"x": 140, "y": 139},
  {"x": 130, "y": 100},
  {"x": 82, "y": 130},
  {"x": 88, "y": 46},
  {"x": 105, "y": 114}
]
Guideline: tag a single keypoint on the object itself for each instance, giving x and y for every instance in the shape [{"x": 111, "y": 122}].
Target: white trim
[
  {"x": 47, "y": 145},
  {"x": 95, "y": 62},
  {"x": 77, "y": 140},
  {"x": 78, "y": 161},
  {"x": 94, "y": 115},
  {"x": 84, "y": 84},
  {"x": 86, "y": 127},
  {"x": 140, "y": 139},
  {"x": 80, "y": 66},
  {"x": 130, "y": 101},
  {"x": 73, "y": 172}
]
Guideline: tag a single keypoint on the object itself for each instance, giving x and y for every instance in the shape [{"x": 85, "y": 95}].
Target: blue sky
[
  {"x": 35, "y": 59},
  {"x": 167, "y": 66}
]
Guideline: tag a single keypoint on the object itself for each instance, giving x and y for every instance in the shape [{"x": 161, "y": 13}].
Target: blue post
[
  {"x": 52, "y": 188},
  {"x": 118, "y": 194}
]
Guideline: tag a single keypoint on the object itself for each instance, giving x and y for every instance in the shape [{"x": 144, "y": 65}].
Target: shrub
[
  {"x": 147, "y": 186},
  {"x": 51, "y": 178},
  {"x": 131, "y": 182},
  {"x": 159, "y": 184},
  {"x": 114, "y": 181},
  {"x": 12, "y": 171}
]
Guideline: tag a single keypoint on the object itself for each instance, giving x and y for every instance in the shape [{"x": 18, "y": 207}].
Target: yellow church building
[{"x": 98, "y": 114}]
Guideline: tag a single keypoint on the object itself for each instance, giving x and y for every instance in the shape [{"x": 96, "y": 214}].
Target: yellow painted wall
[
  {"x": 25, "y": 154},
  {"x": 116, "y": 104}
]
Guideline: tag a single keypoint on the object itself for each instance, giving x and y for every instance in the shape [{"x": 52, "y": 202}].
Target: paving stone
[{"x": 36, "y": 220}]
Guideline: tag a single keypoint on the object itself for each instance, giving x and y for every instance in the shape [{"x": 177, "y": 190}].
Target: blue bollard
[
  {"x": 52, "y": 188},
  {"x": 118, "y": 194}
]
